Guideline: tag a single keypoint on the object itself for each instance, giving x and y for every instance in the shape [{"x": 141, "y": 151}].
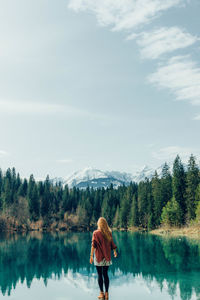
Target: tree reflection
[{"x": 173, "y": 261}]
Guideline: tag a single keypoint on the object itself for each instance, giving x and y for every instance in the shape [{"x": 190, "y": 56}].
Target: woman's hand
[
  {"x": 115, "y": 253},
  {"x": 91, "y": 259}
]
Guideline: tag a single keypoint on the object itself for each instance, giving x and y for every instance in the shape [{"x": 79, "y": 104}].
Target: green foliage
[
  {"x": 33, "y": 199},
  {"x": 179, "y": 186},
  {"x": 145, "y": 202},
  {"x": 157, "y": 196},
  {"x": 171, "y": 213},
  {"x": 116, "y": 221},
  {"x": 192, "y": 181},
  {"x": 124, "y": 211},
  {"x": 169, "y": 199},
  {"x": 197, "y": 203},
  {"x": 133, "y": 217},
  {"x": 150, "y": 224},
  {"x": 166, "y": 185}
]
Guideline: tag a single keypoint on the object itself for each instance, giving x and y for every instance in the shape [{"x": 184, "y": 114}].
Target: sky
[{"x": 111, "y": 84}]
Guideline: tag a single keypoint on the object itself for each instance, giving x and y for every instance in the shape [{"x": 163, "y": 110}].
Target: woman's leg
[
  {"x": 106, "y": 278},
  {"x": 100, "y": 277}
]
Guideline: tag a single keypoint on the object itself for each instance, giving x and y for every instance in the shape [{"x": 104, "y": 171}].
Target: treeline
[{"x": 172, "y": 199}]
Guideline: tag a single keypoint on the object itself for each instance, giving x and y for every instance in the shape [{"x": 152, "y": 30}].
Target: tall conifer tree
[
  {"x": 192, "y": 181},
  {"x": 166, "y": 184},
  {"x": 133, "y": 217},
  {"x": 33, "y": 199},
  {"x": 157, "y": 198},
  {"x": 178, "y": 186}
]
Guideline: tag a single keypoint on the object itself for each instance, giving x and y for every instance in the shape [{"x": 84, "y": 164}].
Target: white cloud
[
  {"x": 27, "y": 107},
  {"x": 123, "y": 14},
  {"x": 197, "y": 117},
  {"x": 163, "y": 40},
  {"x": 64, "y": 161},
  {"x": 3, "y": 153},
  {"x": 169, "y": 153},
  {"x": 38, "y": 108},
  {"x": 182, "y": 76}
]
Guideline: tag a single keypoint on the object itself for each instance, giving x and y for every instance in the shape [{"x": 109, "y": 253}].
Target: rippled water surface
[{"x": 56, "y": 267}]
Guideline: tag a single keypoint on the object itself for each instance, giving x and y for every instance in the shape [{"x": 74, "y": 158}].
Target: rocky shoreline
[
  {"x": 10, "y": 225},
  {"x": 192, "y": 231}
]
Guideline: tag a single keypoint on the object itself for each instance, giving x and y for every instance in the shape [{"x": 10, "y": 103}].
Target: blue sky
[{"x": 113, "y": 84}]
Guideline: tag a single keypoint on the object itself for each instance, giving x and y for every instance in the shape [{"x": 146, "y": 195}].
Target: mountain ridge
[{"x": 97, "y": 178}]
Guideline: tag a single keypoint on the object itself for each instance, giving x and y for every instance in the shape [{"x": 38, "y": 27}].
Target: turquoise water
[{"x": 56, "y": 267}]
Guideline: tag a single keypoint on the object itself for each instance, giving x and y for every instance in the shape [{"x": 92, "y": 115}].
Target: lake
[{"x": 55, "y": 266}]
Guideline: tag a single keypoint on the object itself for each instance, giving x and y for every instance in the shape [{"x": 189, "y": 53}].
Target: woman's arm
[
  {"x": 91, "y": 254},
  {"x": 93, "y": 246},
  {"x": 92, "y": 251},
  {"x": 113, "y": 247}
]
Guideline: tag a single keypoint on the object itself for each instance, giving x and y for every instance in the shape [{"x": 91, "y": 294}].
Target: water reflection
[{"x": 171, "y": 264}]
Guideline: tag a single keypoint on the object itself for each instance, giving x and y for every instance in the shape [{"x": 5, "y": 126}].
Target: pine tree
[
  {"x": 40, "y": 188},
  {"x": 89, "y": 211},
  {"x": 116, "y": 221},
  {"x": 23, "y": 188},
  {"x": 105, "y": 209},
  {"x": 33, "y": 199},
  {"x": 166, "y": 185},
  {"x": 142, "y": 202},
  {"x": 46, "y": 199},
  {"x": 74, "y": 197},
  {"x": 8, "y": 196},
  {"x": 124, "y": 210},
  {"x": 1, "y": 180},
  {"x": 82, "y": 216},
  {"x": 13, "y": 179},
  {"x": 198, "y": 213},
  {"x": 66, "y": 201},
  {"x": 178, "y": 186},
  {"x": 145, "y": 202},
  {"x": 197, "y": 195},
  {"x": 97, "y": 204},
  {"x": 18, "y": 183},
  {"x": 133, "y": 217},
  {"x": 36, "y": 204},
  {"x": 157, "y": 199},
  {"x": 150, "y": 219},
  {"x": 58, "y": 195},
  {"x": 197, "y": 203},
  {"x": 192, "y": 181},
  {"x": 1, "y": 184}
]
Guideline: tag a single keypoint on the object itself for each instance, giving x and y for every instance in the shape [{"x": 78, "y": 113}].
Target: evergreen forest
[{"x": 172, "y": 199}]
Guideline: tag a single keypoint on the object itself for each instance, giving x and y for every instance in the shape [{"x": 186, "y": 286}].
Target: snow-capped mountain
[
  {"x": 143, "y": 173},
  {"x": 97, "y": 178},
  {"x": 148, "y": 172}
]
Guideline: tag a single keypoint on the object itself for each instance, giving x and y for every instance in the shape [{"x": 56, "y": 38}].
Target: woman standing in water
[{"x": 102, "y": 244}]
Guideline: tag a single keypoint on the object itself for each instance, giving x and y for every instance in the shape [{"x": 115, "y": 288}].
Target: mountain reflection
[{"x": 172, "y": 262}]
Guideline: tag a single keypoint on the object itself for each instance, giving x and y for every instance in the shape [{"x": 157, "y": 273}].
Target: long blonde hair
[{"x": 105, "y": 229}]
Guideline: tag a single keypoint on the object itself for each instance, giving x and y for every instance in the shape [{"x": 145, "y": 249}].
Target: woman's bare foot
[
  {"x": 101, "y": 295},
  {"x": 106, "y": 295}
]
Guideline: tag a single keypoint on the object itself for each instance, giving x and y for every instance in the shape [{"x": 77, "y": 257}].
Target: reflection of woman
[{"x": 102, "y": 243}]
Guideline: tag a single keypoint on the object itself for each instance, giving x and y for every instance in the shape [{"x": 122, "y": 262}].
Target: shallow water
[{"x": 56, "y": 267}]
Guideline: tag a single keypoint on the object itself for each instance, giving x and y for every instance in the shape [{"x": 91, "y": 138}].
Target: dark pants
[{"x": 103, "y": 277}]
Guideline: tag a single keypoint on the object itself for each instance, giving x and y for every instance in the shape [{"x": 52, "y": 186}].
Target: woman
[{"x": 102, "y": 244}]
